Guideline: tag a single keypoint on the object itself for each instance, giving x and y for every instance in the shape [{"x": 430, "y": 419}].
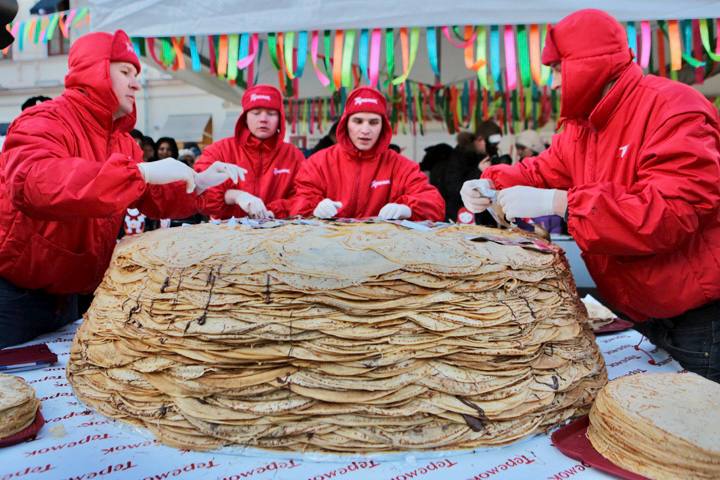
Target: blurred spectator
[
  {"x": 187, "y": 156},
  {"x": 327, "y": 141},
  {"x": 32, "y": 101},
  {"x": 434, "y": 163},
  {"x": 166, "y": 147},
  {"x": 395, "y": 148},
  {"x": 137, "y": 136},
  {"x": 528, "y": 144},
  {"x": 148, "y": 148},
  {"x": 464, "y": 163},
  {"x": 194, "y": 147}
]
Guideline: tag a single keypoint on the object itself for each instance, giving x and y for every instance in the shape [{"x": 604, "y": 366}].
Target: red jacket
[
  {"x": 365, "y": 181},
  {"x": 642, "y": 172},
  {"x": 271, "y": 168},
  {"x": 68, "y": 175}
]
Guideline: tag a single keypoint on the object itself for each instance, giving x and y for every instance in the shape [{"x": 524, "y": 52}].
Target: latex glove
[
  {"x": 216, "y": 174},
  {"x": 253, "y": 206},
  {"x": 327, "y": 208},
  {"x": 168, "y": 170},
  {"x": 474, "y": 194},
  {"x": 395, "y": 211},
  {"x": 524, "y": 202}
]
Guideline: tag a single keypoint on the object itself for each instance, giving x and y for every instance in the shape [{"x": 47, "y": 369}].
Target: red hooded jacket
[
  {"x": 365, "y": 181},
  {"x": 271, "y": 164},
  {"x": 68, "y": 175},
  {"x": 641, "y": 165}
]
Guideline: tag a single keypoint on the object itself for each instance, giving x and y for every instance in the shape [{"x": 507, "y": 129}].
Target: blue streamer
[
  {"x": 301, "y": 54},
  {"x": 431, "y": 37},
  {"x": 495, "y": 56},
  {"x": 632, "y": 37},
  {"x": 363, "y": 52},
  {"x": 194, "y": 55}
]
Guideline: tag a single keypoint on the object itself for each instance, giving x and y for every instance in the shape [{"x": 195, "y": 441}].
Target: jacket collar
[{"x": 621, "y": 90}]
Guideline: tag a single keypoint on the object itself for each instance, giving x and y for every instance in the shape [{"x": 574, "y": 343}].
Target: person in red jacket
[
  {"x": 636, "y": 173},
  {"x": 69, "y": 171},
  {"x": 360, "y": 176},
  {"x": 259, "y": 147}
]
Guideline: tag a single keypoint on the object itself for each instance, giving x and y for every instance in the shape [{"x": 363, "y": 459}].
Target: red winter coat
[
  {"x": 642, "y": 172},
  {"x": 68, "y": 175},
  {"x": 365, "y": 181},
  {"x": 271, "y": 168}
]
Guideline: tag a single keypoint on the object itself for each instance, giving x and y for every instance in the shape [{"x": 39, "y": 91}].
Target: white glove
[
  {"x": 395, "y": 211},
  {"x": 253, "y": 205},
  {"x": 474, "y": 194},
  {"x": 168, "y": 170},
  {"x": 216, "y": 174},
  {"x": 327, "y": 208},
  {"x": 523, "y": 202}
]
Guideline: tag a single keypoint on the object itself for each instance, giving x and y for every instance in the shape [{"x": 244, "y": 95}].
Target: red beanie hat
[
  {"x": 262, "y": 96},
  {"x": 365, "y": 100},
  {"x": 122, "y": 50}
]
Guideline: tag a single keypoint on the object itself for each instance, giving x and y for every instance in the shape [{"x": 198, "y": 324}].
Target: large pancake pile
[
  {"x": 662, "y": 426},
  {"x": 329, "y": 337},
  {"x": 18, "y": 405}
]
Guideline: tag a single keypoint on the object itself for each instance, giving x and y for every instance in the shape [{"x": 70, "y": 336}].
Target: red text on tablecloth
[
  {"x": 430, "y": 467},
  {"x": 270, "y": 467}
]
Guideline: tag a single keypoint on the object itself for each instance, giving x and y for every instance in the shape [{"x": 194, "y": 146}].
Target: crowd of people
[{"x": 634, "y": 176}]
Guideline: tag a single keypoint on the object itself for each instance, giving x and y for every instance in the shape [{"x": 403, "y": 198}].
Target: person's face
[
  {"x": 263, "y": 122},
  {"x": 164, "y": 151},
  {"x": 148, "y": 152},
  {"x": 364, "y": 130},
  {"x": 557, "y": 76},
  {"x": 479, "y": 144},
  {"x": 125, "y": 86}
]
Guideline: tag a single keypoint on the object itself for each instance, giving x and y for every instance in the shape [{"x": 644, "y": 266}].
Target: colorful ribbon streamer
[
  {"x": 375, "y": 56},
  {"x": 408, "y": 59},
  {"x": 314, "y": 41},
  {"x": 432, "y": 44},
  {"x": 510, "y": 59}
]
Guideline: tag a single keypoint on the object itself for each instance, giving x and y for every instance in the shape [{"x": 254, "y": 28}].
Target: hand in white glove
[
  {"x": 395, "y": 211},
  {"x": 327, "y": 208},
  {"x": 168, "y": 170},
  {"x": 522, "y": 202},
  {"x": 253, "y": 205},
  {"x": 216, "y": 174},
  {"x": 474, "y": 194}
]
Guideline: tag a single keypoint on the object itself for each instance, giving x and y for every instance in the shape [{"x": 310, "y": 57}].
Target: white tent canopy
[{"x": 184, "y": 17}]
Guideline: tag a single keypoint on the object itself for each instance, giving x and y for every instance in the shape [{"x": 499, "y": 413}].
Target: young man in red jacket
[
  {"x": 359, "y": 176},
  {"x": 70, "y": 169},
  {"x": 636, "y": 173},
  {"x": 258, "y": 147}
]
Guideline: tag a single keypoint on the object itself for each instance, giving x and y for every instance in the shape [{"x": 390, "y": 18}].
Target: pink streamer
[
  {"x": 324, "y": 80},
  {"x": 245, "y": 62},
  {"x": 456, "y": 44},
  {"x": 510, "y": 58},
  {"x": 646, "y": 42},
  {"x": 375, "y": 56},
  {"x": 15, "y": 28},
  {"x": 70, "y": 17}
]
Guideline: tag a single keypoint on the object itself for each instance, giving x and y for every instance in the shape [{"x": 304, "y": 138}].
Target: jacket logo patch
[
  {"x": 361, "y": 101},
  {"x": 623, "y": 150},
  {"x": 280, "y": 171},
  {"x": 379, "y": 183},
  {"x": 255, "y": 97},
  {"x": 130, "y": 48}
]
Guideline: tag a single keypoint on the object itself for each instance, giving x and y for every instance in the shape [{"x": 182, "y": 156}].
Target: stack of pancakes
[
  {"x": 330, "y": 337},
  {"x": 18, "y": 405},
  {"x": 662, "y": 426}
]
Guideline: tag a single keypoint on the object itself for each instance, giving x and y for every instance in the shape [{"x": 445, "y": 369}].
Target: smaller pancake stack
[
  {"x": 661, "y": 426},
  {"x": 598, "y": 314},
  {"x": 18, "y": 405}
]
